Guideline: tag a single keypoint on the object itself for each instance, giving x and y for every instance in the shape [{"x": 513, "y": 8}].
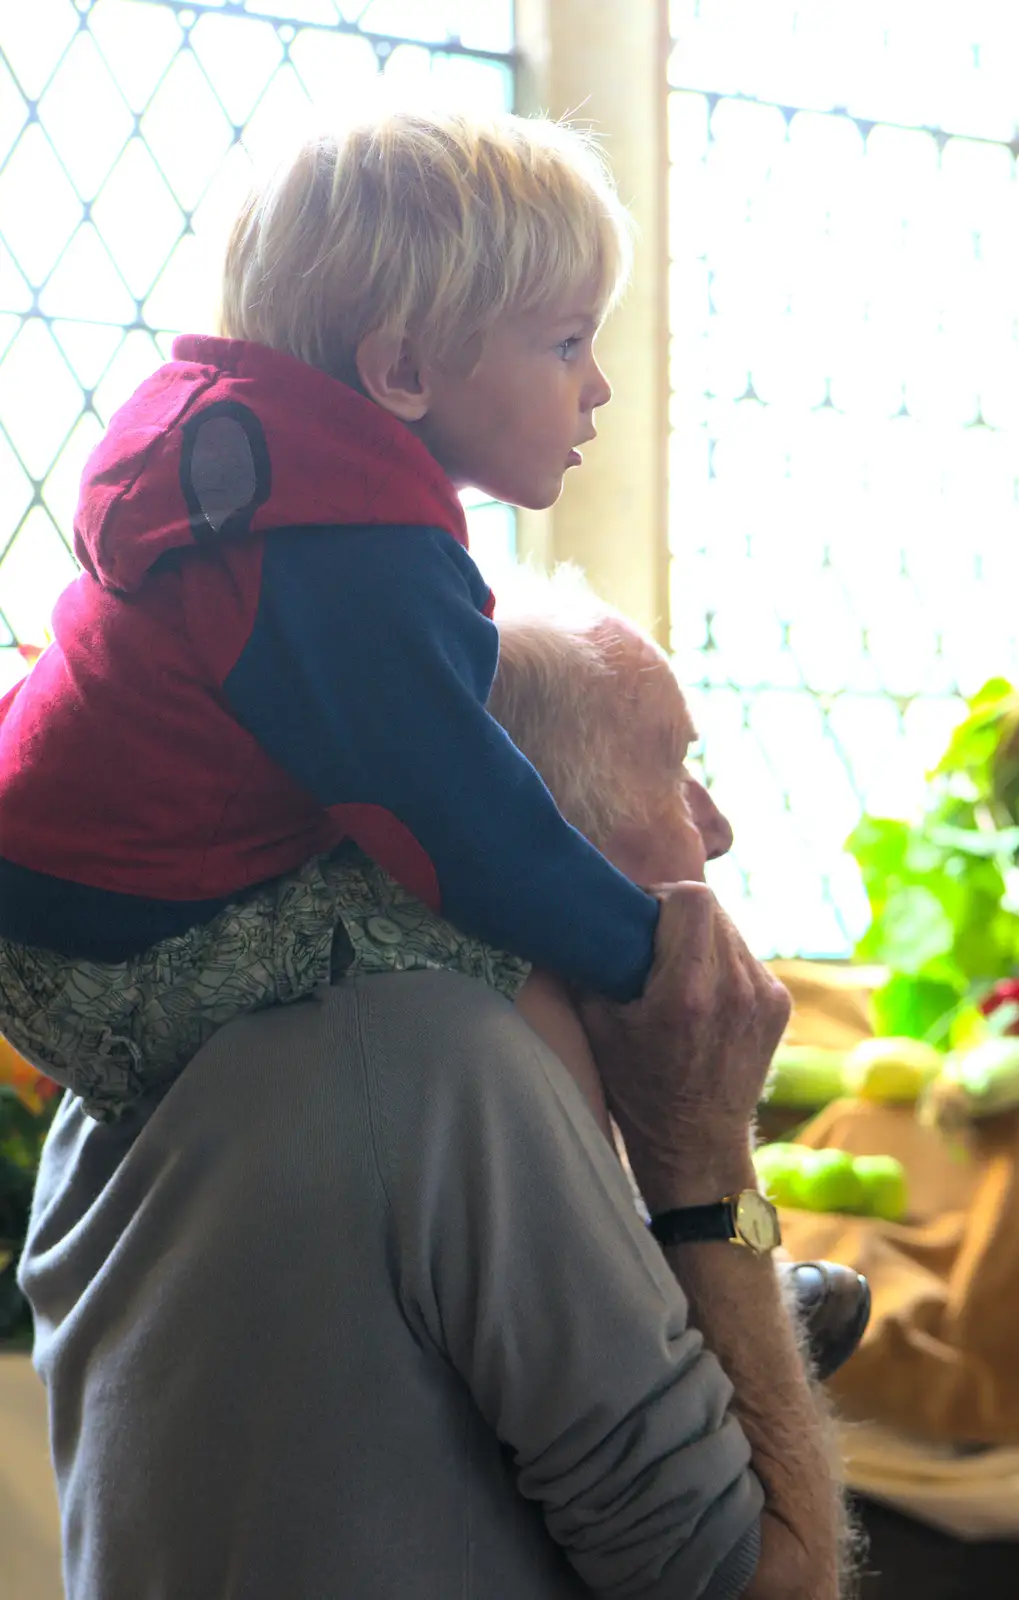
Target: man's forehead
[
  {"x": 665, "y": 705},
  {"x": 682, "y": 720},
  {"x": 684, "y": 715},
  {"x": 686, "y": 722}
]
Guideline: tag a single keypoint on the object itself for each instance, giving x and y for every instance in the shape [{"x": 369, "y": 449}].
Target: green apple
[
  {"x": 778, "y": 1170},
  {"x": 883, "y": 1183},
  {"x": 804, "y": 1078},
  {"x": 828, "y": 1182},
  {"x": 891, "y": 1071}
]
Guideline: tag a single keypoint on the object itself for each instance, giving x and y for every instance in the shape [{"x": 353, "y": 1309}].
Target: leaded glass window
[
  {"x": 128, "y": 129},
  {"x": 844, "y": 531}
]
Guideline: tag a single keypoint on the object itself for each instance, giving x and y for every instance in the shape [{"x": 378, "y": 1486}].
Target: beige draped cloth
[{"x": 940, "y": 1360}]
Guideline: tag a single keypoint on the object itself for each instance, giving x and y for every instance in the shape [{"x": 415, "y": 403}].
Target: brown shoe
[{"x": 834, "y": 1308}]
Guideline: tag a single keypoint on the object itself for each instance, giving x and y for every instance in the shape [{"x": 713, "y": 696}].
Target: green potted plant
[{"x": 944, "y": 889}]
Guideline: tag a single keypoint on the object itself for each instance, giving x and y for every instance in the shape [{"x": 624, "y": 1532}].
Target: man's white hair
[{"x": 564, "y": 692}]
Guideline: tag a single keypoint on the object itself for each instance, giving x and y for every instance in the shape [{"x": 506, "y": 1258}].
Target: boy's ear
[{"x": 393, "y": 374}]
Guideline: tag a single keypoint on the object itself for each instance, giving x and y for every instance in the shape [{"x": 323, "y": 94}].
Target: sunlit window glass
[
  {"x": 128, "y": 130},
  {"x": 844, "y": 218}
]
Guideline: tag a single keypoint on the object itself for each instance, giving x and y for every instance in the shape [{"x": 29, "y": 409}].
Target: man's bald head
[{"x": 590, "y": 700}]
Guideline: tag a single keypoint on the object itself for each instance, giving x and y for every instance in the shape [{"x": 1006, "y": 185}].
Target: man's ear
[{"x": 393, "y": 374}]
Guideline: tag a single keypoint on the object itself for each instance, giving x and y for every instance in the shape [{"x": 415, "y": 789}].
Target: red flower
[{"x": 1004, "y": 993}]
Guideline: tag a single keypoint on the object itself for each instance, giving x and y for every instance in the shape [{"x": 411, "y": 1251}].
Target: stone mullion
[{"x": 603, "y": 61}]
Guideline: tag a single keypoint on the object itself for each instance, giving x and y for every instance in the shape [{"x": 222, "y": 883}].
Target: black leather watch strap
[{"x": 693, "y": 1224}]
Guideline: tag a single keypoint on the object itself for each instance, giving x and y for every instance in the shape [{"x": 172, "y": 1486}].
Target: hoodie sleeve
[{"x": 366, "y": 676}]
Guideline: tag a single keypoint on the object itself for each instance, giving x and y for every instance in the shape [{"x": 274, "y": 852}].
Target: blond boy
[{"x": 257, "y": 749}]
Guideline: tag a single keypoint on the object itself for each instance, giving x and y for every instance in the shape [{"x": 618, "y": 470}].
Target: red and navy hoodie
[{"x": 279, "y": 640}]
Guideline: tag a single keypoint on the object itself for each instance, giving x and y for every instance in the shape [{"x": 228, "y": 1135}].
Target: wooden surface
[{"x": 29, "y": 1527}]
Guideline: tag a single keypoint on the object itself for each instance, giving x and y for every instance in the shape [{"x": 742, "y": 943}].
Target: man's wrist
[{"x": 692, "y": 1173}]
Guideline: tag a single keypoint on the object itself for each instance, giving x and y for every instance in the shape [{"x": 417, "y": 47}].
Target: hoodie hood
[{"x": 231, "y": 438}]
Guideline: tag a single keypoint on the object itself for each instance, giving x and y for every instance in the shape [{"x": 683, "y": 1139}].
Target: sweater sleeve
[
  {"x": 521, "y": 1258},
  {"x": 366, "y": 676}
]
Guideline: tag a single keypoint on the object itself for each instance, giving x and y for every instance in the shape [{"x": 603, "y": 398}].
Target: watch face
[{"x": 757, "y": 1222}]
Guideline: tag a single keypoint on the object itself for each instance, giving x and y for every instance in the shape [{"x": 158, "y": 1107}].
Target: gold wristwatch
[{"x": 746, "y": 1219}]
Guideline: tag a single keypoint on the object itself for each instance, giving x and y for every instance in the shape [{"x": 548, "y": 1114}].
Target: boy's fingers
[
  {"x": 697, "y": 946},
  {"x": 687, "y": 922}
]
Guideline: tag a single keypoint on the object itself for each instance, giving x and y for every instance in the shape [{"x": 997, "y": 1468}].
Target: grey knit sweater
[{"x": 362, "y": 1310}]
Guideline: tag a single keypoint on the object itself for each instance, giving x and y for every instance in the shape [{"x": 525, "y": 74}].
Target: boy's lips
[{"x": 574, "y": 459}]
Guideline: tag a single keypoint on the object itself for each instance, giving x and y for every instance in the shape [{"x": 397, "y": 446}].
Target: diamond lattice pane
[
  {"x": 185, "y": 293},
  {"x": 426, "y": 20},
  {"x": 85, "y": 115},
  {"x": 13, "y": 111},
  {"x": 211, "y": 223},
  {"x": 86, "y": 283},
  {"x": 488, "y": 27},
  {"x": 282, "y": 112},
  {"x": 16, "y": 491},
  {"x": 15, "y": 290},
  {"x": 477, "y": 86},
  {"x": 334, "y": 66},
  {"x": 186, "y": 129},
  {"x": 416, "y": 76},
  {"x": 408, "y": 72},
  {"x": 34, "y": 569},
  {"x": 39, "y": 209},
  {"x": 34, "y": 37},
  {"x": 491, "y": 528},
  {"x": 13, "y": 665},
  {"x": 9, "y": 329},
  {"x": 127, "y": 132},
  {"x": 240, "y": 56},
  {"x": 882, "y": 61},
  {"x": 136, "y": 359},
  {"x": 138, "y": 41},
  {"x": 845, "y": 446},
  {"x": 40, "y": 399},
  {"x": 137, "y": 216},
  {"x": 324, "y": 12}
]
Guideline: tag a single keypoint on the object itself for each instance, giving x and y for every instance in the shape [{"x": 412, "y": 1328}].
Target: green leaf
[
  {"x": 976, "y": 875},
  {"x": 976, "y": 841},
  {"x": 916, "y": 929},
  {"x": 990, "y": 693},
  {"x": 942, "y": 920},
  {"x": 914, "y": 1008},
  {"x": 879, "y": 846},
  {"x": 881, "y": 841},
  {"x": 973, "y": 743},
  {"x": 967, "y": 1027},
  {"x": 986, "y": 943}
]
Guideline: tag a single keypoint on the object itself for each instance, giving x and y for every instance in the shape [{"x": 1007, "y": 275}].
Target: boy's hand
[{"x": 683, "y": 1066}]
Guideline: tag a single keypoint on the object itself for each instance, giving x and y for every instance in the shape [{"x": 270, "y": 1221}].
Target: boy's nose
[{"x": 599, "y": 390}]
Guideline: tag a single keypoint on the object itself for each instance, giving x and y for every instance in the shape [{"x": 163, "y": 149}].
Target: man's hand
[{"x": 684, "y": 1065}]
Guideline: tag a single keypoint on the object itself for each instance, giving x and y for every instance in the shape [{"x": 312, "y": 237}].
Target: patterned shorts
[{"x": 113, "y": 1031}]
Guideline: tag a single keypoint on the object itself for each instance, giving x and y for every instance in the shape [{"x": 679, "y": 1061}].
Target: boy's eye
[{"x": 565, "y": 347}]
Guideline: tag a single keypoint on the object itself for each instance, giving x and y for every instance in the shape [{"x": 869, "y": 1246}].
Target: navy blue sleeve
[{"x": 365, "y": 676}]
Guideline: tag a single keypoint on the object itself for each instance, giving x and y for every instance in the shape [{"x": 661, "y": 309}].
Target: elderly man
[
  {"x": 595, "y": 706},
  {"x": 362, "y": 1307}
]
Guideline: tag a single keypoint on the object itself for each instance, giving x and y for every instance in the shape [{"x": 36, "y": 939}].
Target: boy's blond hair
[{"x": 427, "y": 225}]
